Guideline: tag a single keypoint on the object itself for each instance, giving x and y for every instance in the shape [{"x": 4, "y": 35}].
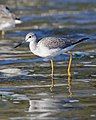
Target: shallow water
[{"x": 25, "y": 79}]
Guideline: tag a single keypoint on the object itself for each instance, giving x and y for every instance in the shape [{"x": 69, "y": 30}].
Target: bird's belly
[
  {"x": 42, "y": 52},
  {"x": 45, "y": 52}
]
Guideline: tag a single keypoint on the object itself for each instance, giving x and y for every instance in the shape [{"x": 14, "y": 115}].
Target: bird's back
[{"x": 55, "y": 42}]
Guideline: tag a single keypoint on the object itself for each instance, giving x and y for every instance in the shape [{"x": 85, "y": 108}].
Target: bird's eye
[
  {"x": 30, "y": 36},
  {"x": 7, "y": 8}
]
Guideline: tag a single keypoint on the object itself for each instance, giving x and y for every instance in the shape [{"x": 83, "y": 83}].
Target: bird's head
[{"x": 30, "y": 37}]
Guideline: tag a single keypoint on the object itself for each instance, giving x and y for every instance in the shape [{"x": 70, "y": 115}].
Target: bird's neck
[{"x": 32, "y": 46}]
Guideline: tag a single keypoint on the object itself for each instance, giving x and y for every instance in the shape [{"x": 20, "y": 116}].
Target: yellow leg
[
  {"x": 69, "y": 86},
  {"x": 52, "y": 74},
  {"x": 69, "y": 65},
  {"x": 52, "y": 84},
  {"x": 52, "y": 67}
]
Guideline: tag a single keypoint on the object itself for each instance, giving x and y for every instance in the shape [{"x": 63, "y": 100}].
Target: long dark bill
[{"x": 19, "y": 44}]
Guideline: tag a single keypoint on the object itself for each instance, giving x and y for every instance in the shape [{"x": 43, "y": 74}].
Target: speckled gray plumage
[{"x": 55, "y": 42}]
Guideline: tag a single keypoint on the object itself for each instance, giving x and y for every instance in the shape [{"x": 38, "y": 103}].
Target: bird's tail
[{"x": 81, "y": 40}]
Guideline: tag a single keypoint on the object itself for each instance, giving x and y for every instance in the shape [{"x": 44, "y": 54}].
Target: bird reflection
[
  {"x": 70, "y": 86},
  {"x": 43, "y": 108},
  {"x": 52, "y": 84}
]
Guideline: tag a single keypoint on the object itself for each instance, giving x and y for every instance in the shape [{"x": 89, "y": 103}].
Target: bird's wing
[
  {"x": 53, "y": 42},
  {"x": 61, "y": 43}
]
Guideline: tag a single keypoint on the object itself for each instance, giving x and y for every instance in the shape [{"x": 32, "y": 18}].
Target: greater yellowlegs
[
  {"x": 7, "y": 19},
  {"x": 49, "y": 47}
]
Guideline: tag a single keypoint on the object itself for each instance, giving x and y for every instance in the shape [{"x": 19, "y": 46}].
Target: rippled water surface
[{"x": 25, "y": 82}]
